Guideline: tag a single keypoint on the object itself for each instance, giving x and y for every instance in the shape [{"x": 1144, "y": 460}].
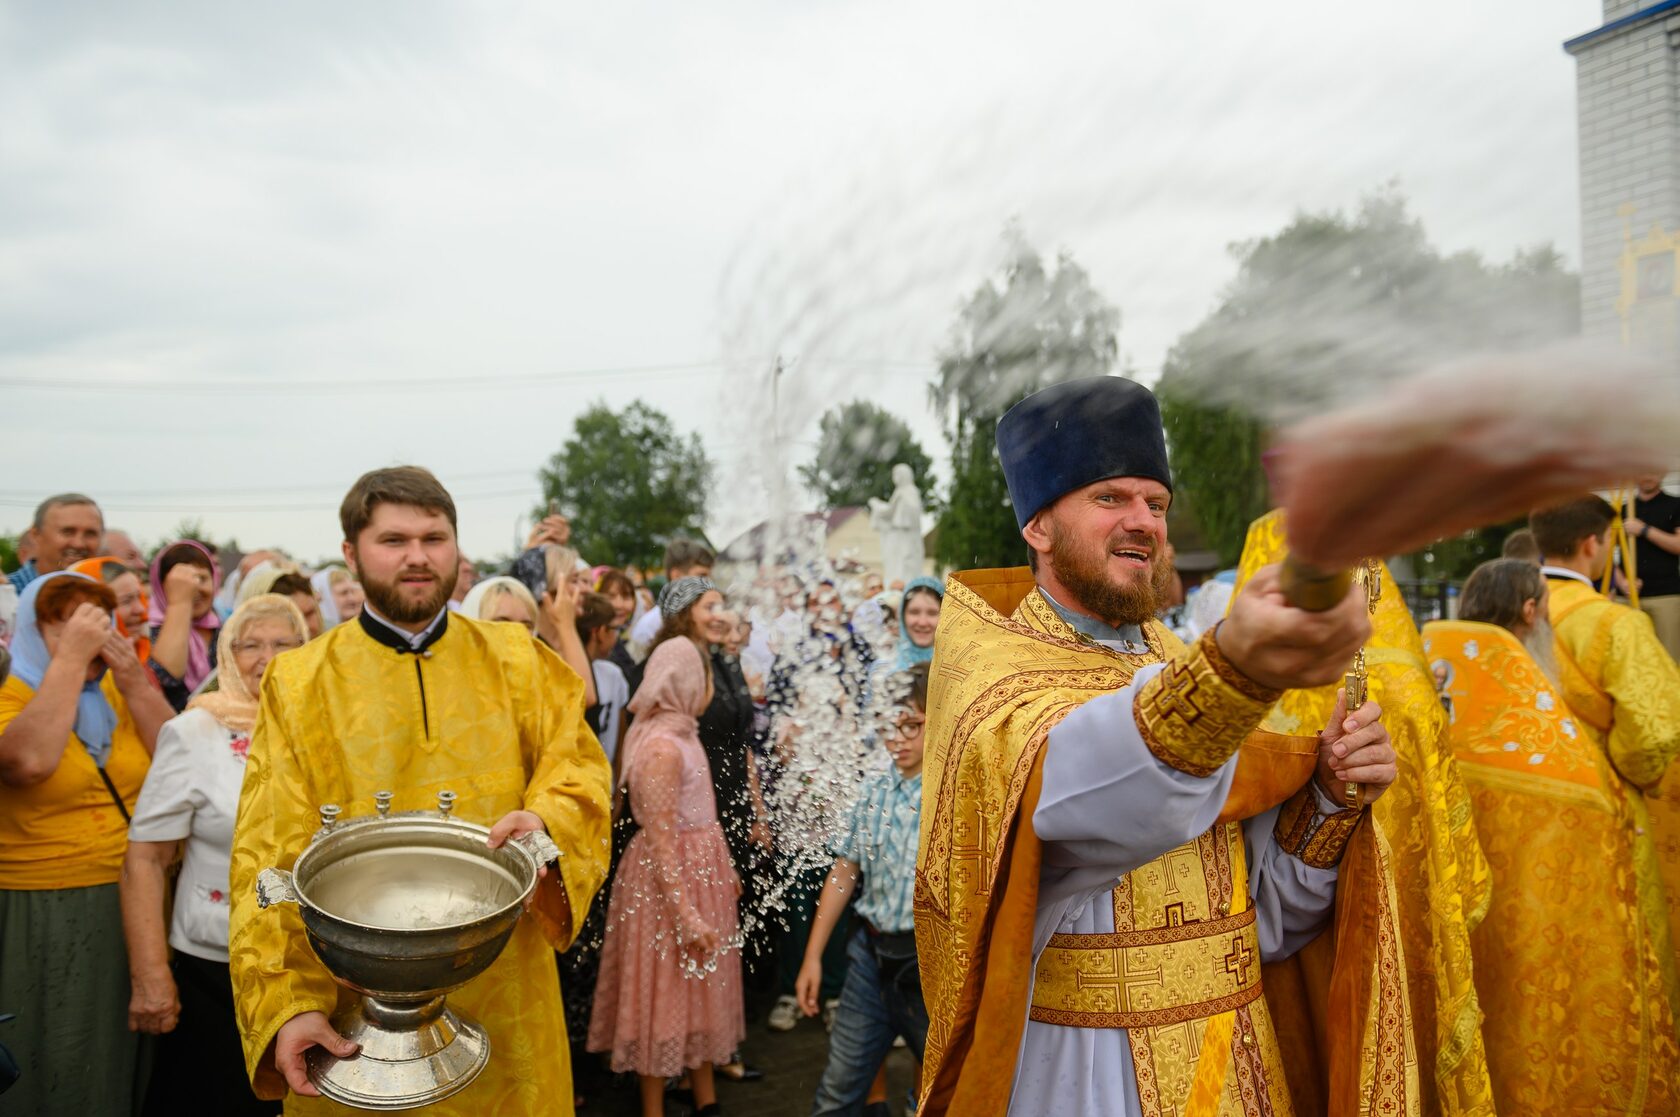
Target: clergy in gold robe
[
  {"x": 1624, "y": 689},
  {"x": 414, "y": 699},
  {"x": 1577, "y": 1019},
  {"x": 1110, "y": 845},
  {"x": 1443, "y": 883}
]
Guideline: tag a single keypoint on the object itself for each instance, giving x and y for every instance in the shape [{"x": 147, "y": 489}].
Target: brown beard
[
  {"x": 388, "y": 602},
  {"x": 1084, "y": 571}
]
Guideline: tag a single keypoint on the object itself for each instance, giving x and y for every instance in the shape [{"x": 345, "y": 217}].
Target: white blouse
[{"x": 192, "y": 793}]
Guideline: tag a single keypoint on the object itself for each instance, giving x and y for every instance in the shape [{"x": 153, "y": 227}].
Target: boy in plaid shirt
[{"x": 882, "y": 997}]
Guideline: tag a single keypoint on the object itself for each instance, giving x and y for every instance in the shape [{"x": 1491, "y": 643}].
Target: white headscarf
[
  {"x": 473, "y": 604},
  {"x": 321, "y": 582}
]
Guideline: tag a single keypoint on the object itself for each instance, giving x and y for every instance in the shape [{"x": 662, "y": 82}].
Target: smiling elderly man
[
  {"x": 67, "y": 529},
  {"x": 1098, "y": 881}
]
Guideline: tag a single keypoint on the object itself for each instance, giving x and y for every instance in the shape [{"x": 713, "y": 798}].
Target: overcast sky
[{"x": 387, "y": 232}]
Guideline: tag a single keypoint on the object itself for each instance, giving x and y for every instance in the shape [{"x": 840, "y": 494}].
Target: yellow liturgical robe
[
  {"x": 1621, "y": 683},
  {"x": 1006, "y": 670},
  {"x": 1440, "y": 873},
  {"x": 485, "y": 712},
  {"x": 1577, "y": 1019}
]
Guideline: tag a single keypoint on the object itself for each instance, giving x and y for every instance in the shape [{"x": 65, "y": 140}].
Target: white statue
[{"x": 898, "y": 521}]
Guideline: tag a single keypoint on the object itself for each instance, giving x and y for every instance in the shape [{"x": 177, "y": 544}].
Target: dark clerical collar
[{"x": 384, "y": 632}]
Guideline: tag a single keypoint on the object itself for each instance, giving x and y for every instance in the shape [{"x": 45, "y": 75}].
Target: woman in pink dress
[{"x": 669, "y": 995}]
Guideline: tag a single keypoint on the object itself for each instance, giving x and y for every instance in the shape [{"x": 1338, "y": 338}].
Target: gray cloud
[{"x": 379, "y": 191}]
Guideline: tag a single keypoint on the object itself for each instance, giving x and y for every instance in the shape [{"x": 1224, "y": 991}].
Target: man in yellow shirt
[
  {"x": 1623, "y": 687},
  {"x": 413, "y": 699}
]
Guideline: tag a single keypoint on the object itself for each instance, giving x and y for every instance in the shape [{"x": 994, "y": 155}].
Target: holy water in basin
[{"x": 410, "y": 889}]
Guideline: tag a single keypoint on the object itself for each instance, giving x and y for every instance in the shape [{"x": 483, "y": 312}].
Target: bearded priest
[
  {"x": 1111, "y": 842},
  {"x": 415, "y": 699}
]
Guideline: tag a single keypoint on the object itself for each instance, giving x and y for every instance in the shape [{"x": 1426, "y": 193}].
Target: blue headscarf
[
  {"x": 96, "y": 721},
  {"x": 908, "y": 653}
]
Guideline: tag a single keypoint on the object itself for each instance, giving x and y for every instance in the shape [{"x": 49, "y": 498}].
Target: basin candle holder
[{"x": 403, "y": 909}]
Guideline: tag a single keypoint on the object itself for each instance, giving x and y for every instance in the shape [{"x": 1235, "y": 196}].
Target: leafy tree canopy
[
  {"x": 857, "y": 448},
  {"x": 629, "y": 484}
]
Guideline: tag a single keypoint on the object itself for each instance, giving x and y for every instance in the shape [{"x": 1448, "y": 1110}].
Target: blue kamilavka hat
[{"x": 1076, "y": 433}]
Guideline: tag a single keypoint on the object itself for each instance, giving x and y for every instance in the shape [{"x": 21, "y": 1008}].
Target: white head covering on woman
[{"x": 474, "y": 604}]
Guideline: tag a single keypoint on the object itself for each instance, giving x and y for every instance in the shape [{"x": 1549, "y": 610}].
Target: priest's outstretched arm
[{"x": 1109, "y": 805}]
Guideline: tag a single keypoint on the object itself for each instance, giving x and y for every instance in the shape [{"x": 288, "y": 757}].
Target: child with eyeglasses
[{"x": 882, "y": 996}]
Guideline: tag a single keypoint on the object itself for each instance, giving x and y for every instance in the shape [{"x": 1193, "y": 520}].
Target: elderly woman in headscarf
[
  {"x": 78, "y": 722},
  {"x": 190, "y": 798},
  {"x": 132, "y": 602},
  {"x": 286, "y": 578},
  {"x": 184, "y": 619},
  {"x": 340, "y": 595}
]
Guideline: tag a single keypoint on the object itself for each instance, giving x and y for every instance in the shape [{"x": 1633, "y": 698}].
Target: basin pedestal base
[{"x": 412, "y": 1055}]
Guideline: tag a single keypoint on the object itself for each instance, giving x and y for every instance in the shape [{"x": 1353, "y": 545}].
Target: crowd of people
[
  {"x": 734, "y": 777},
  {"x": 135, "y": 689}
]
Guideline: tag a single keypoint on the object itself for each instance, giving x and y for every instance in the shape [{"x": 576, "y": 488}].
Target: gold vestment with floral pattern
[{"x": 1577, "y": 1019}]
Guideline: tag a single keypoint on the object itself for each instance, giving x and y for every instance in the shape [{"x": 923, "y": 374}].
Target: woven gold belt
[{"x": 1148, "y": 979}]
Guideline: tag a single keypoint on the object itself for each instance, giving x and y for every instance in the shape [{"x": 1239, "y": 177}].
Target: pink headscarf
[
  {"x": 199, "y": 636},
  {"x": 670, "y": 700}
]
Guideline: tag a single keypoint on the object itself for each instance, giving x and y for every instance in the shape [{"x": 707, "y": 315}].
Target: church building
[{"x": 1628, "y": 105}]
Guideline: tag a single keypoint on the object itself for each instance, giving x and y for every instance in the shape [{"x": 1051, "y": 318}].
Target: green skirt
[{"x": 64, "y": 973}]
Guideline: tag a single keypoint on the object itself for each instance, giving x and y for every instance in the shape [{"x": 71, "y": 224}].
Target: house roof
[{"x": 749, "y": 546}]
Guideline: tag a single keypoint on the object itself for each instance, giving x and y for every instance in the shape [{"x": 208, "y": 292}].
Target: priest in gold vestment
[
  {"x": 1624, "y": 689},
  {"x": 1111, "y": 844},
  {"x": 1442, "y": 879},
  {"x": 1577, "y": 1018},
  {"x": 414, "y": 699}
]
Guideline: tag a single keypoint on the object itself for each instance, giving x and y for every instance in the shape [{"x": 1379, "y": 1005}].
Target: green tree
[
  {"x": 629, "y": 483},
  {"x": 857, "y": 447},
  {"x": 1031, "y": 328},
  {"x": 8, "y": 552},
  {"x": 1332, "y": 303}
]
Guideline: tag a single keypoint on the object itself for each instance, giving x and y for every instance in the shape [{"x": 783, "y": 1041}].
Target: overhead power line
[
  {"x": 299, "y": 491},
  {"x": 342, "y": 386},
  {"x": 323, "y": 503}
]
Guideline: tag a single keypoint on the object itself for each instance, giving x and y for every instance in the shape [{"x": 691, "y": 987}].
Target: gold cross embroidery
[
  {"x": 1175, "y": 696},
  {"x": 1237, "y": 961},
  {"x": 978, "y": 851},
  {"x": 1125, "y": 981}
]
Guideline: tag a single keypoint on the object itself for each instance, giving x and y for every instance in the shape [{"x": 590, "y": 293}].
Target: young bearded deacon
[{"x": 416, "y": 699}]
